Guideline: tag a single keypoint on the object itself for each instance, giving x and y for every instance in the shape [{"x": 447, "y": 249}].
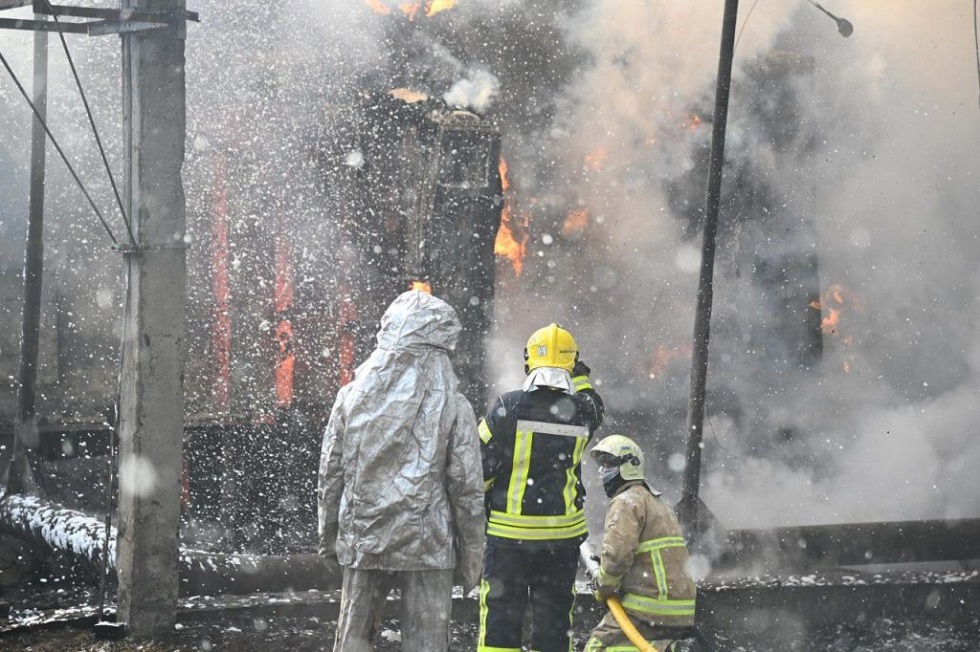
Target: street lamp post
[{"x": 691, "y": 509}]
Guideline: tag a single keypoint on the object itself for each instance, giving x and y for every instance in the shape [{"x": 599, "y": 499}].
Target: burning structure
[{"x": 414, "y": 199}]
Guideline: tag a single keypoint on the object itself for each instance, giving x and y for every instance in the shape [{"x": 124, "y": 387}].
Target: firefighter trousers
[
  {"x": 514, "y": 577},
  {"x": 426, "y": 608}
]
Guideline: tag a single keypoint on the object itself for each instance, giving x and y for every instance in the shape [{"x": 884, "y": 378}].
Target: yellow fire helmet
[
  {"x": 551, "y": 346},
  {"x": 623, "y": 452}
]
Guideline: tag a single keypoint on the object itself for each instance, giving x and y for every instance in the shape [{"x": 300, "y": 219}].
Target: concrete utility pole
[
  {"x": 151, "y": 401},
  {"x": 20, "y": 477}
]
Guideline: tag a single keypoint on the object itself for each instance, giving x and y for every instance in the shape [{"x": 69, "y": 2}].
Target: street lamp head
[{"x": 844, "y": 26}]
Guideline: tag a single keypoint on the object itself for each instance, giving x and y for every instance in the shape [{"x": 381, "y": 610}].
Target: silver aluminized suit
[{"x": 400, "y": 496}]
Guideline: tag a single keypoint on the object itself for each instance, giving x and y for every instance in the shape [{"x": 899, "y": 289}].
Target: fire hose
[{"x": 615, "y": 606}]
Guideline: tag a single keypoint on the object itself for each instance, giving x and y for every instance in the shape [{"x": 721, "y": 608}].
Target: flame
[
  {"x": 662, "y": 356},
  {"x": 421, "y": 285},
  {"x": 283, "y": 297},
  {"x": 285, "y": 365},
  {"x": 575, "y": 222},
  {"x": 504, "y": 178},
  {"x": 507, "y": 244},
  {"x": 832, "y": 304},
  {"x": 435, "y": 6},
  {"x": 412, "y": 8},
  {"x": 693, "y": 123},
  {"x": 595, "y": 159},
  {"x": 378, "y": 7}
]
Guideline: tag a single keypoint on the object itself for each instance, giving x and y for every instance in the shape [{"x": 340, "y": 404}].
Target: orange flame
[
  {"x": 663, "y": 356},
  {"x": 435, "y": 6},
  {"x": 283, "y": 298},
  {"x": 507, "y": 244},
  {"x": 832, "y": 304},
  {"x": 595, "y": 159},
  {"x": 412, "y": 8},
  {"x": 421, "y": 285},
  {"x": 286, "y": 364},
  {"x": 575, "y": 222},
  {"x": 693, "y": 123},
  {"x": 378, "y": 7}
]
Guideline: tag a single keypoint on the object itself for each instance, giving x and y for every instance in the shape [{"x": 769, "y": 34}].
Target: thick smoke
[
  {"x": 875, "y": 175},
  {"x": 887, "y": 416}
]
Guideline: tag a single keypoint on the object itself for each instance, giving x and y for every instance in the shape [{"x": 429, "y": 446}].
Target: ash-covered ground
[
  {"x": 309, "y": 633},
  {"x": 48, "y": 621}
]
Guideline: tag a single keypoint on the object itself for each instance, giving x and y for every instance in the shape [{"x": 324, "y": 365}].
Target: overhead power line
[
  {"x": 91, "y": 121},
  {"x": 54, "y": 141}
]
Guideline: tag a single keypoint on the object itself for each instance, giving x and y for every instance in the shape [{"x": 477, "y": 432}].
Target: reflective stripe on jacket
[
  {"x": 532, "y": 445},
  {"x": 645, "y": 556}
]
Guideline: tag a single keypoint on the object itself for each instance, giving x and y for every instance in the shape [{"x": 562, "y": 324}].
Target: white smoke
[
  {"x": 889, "y": 179},
  {"x": 475, "y": 92}
]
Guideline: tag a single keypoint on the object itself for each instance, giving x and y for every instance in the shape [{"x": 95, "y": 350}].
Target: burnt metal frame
[{"x": 105, "y": 21}]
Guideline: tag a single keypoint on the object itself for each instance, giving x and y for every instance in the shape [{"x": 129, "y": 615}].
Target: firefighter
[
  {"x": 533, "y": 440},
  {"x": 400, "y": 496},
  {"x": 644, "y": 559}
]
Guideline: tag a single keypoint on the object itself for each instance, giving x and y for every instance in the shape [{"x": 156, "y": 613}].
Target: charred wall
[{"x": 423, "y": 203}]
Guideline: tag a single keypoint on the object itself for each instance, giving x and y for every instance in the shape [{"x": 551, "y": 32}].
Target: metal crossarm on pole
[{"x": 103, "y": 21}]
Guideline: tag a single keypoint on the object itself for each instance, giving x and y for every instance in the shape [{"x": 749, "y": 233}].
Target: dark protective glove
[
  {"x": 601, "y": 592},
  {"x": 580, "y": 369}
]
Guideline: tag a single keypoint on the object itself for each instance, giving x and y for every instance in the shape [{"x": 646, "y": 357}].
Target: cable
[
  {"x": 976, "y": 44},
  {"x": 54, "y": 142},
  {"x": 744, "y": 23},
  {"x": 91, "y": 121}
]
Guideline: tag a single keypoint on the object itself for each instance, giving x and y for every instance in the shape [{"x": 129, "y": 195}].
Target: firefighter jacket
[
  {"x": 644, "y": 554},
  {"x": 532, "y": 443},
  {"x": 399, "y": 482}
]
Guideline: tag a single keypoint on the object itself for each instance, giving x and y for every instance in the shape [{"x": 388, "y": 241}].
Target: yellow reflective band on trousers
[
  {"x": 536, "y": 528},
  {"x": 520, "y": 470},
  {"x": 481, "y": 645},
  {"x": 654, "y": 546}
]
